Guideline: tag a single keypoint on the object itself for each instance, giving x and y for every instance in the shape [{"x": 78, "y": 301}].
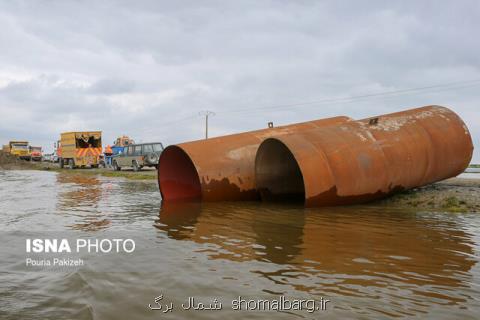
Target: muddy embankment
[
  {"x": 9, "y": 162},
  {"x": 451, "y": 195}
]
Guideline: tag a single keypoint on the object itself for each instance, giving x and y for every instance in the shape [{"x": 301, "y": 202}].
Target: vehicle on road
[
  {"x": 138, "y": 156},
  {"x": 35, "y": 153},
  {"x": 20, "y": 149},
  {"x": 57, "y": 151},
  {"x": 47, "y": 157},
  {"x": 118, "y": 145},
  {"x": 80, "y": 149}
]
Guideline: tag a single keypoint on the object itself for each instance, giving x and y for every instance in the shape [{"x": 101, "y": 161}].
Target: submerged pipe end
[
  {"x": 178, "y": 178},
  {"x": 277, "y": 174}
]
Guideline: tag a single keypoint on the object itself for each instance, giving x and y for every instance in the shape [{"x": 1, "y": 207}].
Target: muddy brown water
[{"x": 369, "y": 261}]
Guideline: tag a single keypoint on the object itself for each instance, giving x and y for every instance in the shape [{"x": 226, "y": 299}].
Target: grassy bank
[{"x": 132, "y": 175}]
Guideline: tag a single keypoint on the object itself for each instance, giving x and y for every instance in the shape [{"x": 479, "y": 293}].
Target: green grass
[
  {"x": 106, "y": 173},
  {"x": 132, "y": 176},
  {"x": 452, "y": 204}
]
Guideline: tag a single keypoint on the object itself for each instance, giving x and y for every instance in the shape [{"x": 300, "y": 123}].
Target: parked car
[{"x": 138, "y": 156}]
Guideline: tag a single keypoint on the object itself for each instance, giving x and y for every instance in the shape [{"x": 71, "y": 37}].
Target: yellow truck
[
  {"x": 80, "y": 149},
  {"x": 19, "y": 149}
]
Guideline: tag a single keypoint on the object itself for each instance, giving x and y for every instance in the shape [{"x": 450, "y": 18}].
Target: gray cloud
[{"x": 146, "y": 68}]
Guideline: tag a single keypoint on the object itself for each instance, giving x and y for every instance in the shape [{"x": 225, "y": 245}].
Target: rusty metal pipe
[
  {"x": 221, "y": 168},
  {"x": 358, "y": 161}
]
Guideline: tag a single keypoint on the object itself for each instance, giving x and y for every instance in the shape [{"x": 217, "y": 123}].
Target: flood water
[{"x": 371, "y": 262}]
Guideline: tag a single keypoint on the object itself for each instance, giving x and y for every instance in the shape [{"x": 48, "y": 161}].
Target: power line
[
  {"x": 160, "y": 126},
  {"x": 448, "y": 86},
  {"x": 349, "y": 99},
  {"x": 169, "y": 123},
  {"x": 339, "y": 101}
]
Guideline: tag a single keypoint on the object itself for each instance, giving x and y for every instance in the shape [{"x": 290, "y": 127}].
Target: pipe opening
[
  {"x": 177, "y": 177},
  {"x": 278, "y": 176}
]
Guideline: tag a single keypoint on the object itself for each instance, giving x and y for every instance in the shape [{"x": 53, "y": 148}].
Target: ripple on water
[{"x": 370, "y": 261}]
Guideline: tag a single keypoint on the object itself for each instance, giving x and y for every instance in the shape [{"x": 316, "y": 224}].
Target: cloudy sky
[{"x": 147, "y": 68}]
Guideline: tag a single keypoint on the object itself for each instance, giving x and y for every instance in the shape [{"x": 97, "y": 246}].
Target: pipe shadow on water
[
  {"x": 343, "y": 250},
  {"x": 244, "y": 233}
]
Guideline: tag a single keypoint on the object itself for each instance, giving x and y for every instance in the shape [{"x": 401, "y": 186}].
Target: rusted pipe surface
[
  {"x": 221, "y": 168},
  {"x": 358, "y": 161}
]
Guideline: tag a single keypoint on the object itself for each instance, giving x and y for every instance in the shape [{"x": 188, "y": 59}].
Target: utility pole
[{"x": 206, "y": 113}]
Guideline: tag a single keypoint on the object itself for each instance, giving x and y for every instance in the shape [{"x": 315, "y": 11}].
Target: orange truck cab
[{"x": 36, "y": 153}]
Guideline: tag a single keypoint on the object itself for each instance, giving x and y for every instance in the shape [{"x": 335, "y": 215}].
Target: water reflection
[
  {"x": 348, "y": 251},
  {"x": 83, "y": 191},
  {"x": 97, "y": 202},
  {"x": 369, "y": 260},
  {"x": 82, "y": 194}
]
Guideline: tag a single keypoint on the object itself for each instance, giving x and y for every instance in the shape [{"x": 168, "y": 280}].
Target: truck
[
  {"x": 80, "y": 149},
  {"x": 36, "y": 153},
  {"x": 19, "y": 149}
]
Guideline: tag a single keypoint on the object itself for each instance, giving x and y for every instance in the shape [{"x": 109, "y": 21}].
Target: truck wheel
[
  {"x": 71, "y": 164},
  {"x": 116, "y": 167},
  {"x": 135, "y": 166},
  {"x": 60, "y": 162}
]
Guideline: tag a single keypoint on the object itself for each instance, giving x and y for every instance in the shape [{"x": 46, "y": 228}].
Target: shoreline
[
  {"x": 449, "y": 195},
  {"x": 458, "y": 194},
  {"x": 144, "y": 174}
]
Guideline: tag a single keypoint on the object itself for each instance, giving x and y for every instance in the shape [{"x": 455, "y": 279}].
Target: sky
[{"x": 148, "y": 69}]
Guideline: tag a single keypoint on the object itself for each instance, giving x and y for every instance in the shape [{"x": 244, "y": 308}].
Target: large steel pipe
[
  {"x": 221, "y": 168},
  {"x": 358, "y": 161}
]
